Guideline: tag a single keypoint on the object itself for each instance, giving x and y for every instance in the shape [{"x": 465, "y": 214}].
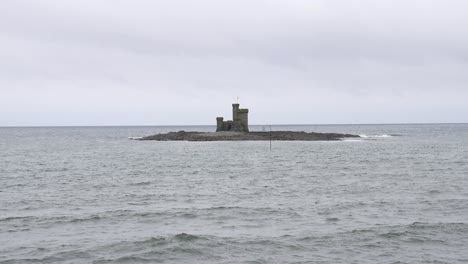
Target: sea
[{"x": 398, "y": 194}]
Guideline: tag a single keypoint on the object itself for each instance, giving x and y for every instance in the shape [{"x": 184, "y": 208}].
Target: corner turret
[{"x": 219, "y": 124}]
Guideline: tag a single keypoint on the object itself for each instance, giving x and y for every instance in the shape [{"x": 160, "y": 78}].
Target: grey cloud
[{"x": 124, "y": 62}]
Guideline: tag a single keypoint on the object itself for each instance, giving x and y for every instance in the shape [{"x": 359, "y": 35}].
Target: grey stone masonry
[{"x": 239, "y": 122}]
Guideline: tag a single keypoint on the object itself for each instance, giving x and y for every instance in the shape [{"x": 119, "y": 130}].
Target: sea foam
[{"x": 376, "y": 136}]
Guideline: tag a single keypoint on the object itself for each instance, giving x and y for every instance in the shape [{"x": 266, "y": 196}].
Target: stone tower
[{"x": 239, "y": 122}]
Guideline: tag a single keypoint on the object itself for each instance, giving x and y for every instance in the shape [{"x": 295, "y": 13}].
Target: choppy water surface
[{"x": 90, "y": 195}]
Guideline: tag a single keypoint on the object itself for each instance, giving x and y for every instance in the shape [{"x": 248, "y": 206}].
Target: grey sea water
[{"x": 91, "y": 195}]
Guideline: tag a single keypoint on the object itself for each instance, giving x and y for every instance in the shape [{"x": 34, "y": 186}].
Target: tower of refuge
[{"x": 239, "y": 122}]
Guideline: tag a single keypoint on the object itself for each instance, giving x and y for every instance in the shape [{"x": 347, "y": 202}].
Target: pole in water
[{"x": 270, "y": 137}]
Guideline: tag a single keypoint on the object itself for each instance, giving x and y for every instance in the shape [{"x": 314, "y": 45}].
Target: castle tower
[
  {"x": 219, "y": 124},
  {"x": 243, "y": 120},
  {"x": 235, "y": 108},
  {"x": 239, "y": 122}
]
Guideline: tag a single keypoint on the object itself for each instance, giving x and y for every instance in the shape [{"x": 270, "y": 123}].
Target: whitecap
[{"x": 376, "y": 136}]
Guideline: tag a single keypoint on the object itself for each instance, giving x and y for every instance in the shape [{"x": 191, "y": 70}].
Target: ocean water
[{"x": 91, "y": 195}]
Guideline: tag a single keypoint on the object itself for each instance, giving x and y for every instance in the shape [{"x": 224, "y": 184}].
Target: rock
[{"x": 246, "y": 136}]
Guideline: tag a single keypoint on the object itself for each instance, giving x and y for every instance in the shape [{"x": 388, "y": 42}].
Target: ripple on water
[{"x": 90, "y": 195}]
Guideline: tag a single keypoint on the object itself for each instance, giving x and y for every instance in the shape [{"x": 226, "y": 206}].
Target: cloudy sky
[{"x": 173, "y": 62}]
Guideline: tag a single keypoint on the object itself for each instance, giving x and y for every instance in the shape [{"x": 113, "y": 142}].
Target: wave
[
  {"x": 12, "y": 218},
  {"x": 140, "y": 183},
  {"x": 352, "y": 139},
  {"x": 188, "y": 237},
  {"x": 135, "y": 138},
  {"x": 174, "y": 240},
  {"x": 376, "y": 136},
  {"x": 90, "y": 218}
]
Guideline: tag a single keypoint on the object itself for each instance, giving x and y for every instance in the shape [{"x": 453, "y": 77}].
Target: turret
[
  {"x": 219, "y": 124},
  {"x": 243, "y": 119},
  {"x": 235, "y": 108}
]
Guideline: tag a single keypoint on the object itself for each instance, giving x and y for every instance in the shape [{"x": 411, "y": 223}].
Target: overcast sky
[{"x": 175, "y": 62}]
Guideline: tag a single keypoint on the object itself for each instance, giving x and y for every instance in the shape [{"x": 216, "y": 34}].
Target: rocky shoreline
[{"x": 247, "y": 136}]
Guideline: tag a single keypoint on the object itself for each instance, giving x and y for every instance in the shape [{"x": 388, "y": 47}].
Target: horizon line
[{"x": 321, "y": 124}]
